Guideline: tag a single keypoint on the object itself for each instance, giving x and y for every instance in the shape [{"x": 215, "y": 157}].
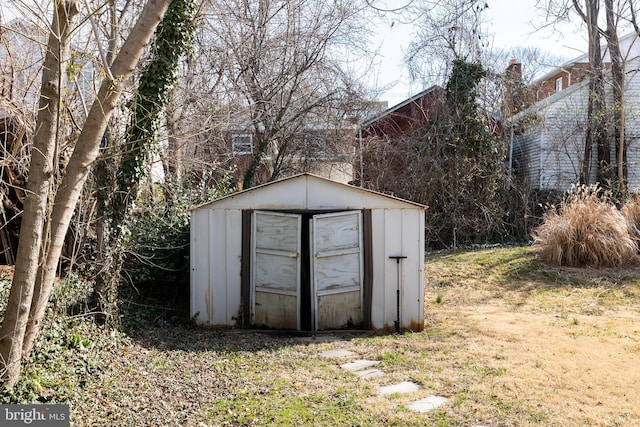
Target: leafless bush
[{"x": 586, "y": 230}]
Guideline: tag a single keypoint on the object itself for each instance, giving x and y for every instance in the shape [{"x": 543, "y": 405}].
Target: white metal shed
[{"x": 306, "y": 253}]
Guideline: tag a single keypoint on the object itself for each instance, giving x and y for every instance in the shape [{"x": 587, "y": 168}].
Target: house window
[
  {"x": 242, "y": 144},
  {"x": 558, "y": 84}
]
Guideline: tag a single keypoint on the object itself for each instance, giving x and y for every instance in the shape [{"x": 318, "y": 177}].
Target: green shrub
[
  {"x": 586, "y": 230},
  {"x": 157, "y": 260}
]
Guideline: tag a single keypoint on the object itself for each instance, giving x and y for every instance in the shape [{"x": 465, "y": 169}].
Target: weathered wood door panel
[
  {"x": 276, "y": 270},
  {"x": 336, "y": 245}
]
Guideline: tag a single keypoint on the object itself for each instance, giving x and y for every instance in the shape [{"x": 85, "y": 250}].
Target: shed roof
[{"x": 309, "y": 192}]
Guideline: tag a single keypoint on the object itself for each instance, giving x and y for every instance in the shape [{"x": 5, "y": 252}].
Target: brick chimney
[
  {"x": 515, "y": 97},
  {"x": 514, "y": 69}
]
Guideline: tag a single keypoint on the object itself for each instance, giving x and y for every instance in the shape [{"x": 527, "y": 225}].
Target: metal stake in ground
[{"x": 397, "y": 322}]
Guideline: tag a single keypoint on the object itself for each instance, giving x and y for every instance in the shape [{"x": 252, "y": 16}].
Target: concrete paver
[
  {"x": 359, "y": 365},
  {"x": 403, "y": 387},
  {"x": 428, "y": 403},
  {"x": 337, "y": 353},
  {"x": 370, "y": 373}
]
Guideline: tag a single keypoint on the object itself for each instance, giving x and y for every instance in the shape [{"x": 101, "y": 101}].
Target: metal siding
[
  {"x": 200, "y": 267},
  {"x": 367, "y": 266},
  {"x": 340, "y": 197},
  {"x": 218, "y": 266},
  {"x": 412, "y": 270},
  {"x": 234, "y": 265},
  {"x": 398, "y": 232},
  {"x": 393, "y": 246},
  {"x": 308, "y": 192},
  {"x": 378, "y": 243}
]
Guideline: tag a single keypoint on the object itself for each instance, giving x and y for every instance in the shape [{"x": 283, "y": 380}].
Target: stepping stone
[
  {"x": 359, "y": 365},
  {"x": 340, "y": 352},
  {"x": 369, "y": 373},
  {"x": 428, "y": 403},
  {"x": 403, "y": 387}
]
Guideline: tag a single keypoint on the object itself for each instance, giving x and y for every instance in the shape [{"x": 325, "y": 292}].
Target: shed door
[
  {"x": 276, "y": 270},
  {"x": 336, "y": 259}
]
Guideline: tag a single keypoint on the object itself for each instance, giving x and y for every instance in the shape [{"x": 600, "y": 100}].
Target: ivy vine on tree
[
  {"x": 173, "y": 39},
  {"x": 454, "y": 165}
]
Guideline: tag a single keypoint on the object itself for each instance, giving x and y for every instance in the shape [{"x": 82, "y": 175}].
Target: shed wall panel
[
  {"x": 412, "y": 270},
  {"x": 218, "y": 266},
  {"x": 199, "y": 259},
  {"x": 397, "y": 232},
  {"x": 379, "y": 299},
  {"x": 215, "y": 266},
  {"x": 233, "y": 249},
  {"x": 393, "y": 246}
]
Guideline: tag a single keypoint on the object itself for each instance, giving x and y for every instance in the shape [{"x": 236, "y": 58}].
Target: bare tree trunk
[
  {"x": 596, "y": 117},
  {"x": 102, "y": 174},
  {"x": 86, "y": 151},
  {"x": 634, "y": 19},
  {"x": 617, "y": 74},
  {"x": 172, "y": 161},
  {"x": 42, "y": 167}
]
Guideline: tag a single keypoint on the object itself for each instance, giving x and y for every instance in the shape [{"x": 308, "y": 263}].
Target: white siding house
[
  {"x": 307, "y": 253},
  {"x": 548, "y": 137}
]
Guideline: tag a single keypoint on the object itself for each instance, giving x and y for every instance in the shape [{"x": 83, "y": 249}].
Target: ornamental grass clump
[
  {"x": 631, "y": 212},
  {"x": 586, "y": 230}
]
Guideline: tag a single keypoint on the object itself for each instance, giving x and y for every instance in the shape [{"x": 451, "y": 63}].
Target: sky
[{"x": 512, "y": 22}]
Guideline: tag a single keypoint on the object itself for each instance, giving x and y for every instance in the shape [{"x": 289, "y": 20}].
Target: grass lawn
[{"x": 507, "y": 340}]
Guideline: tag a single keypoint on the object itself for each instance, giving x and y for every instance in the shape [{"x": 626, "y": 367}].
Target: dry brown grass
[
  {"x": 631, "y": 212},
  {"x": 560, "y": 346},
  {"x": 586, "y": 230}
]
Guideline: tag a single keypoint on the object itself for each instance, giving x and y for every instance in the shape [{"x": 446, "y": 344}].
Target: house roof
[
  {"x": 558, "y": 96},
  {"x": 306, "y": 191},
  {"x": 584, "y": 58},
  {"x": 579, "y": 60},
  {"x": 399, "y": 106},
  {"x": 631, "y": 39}
]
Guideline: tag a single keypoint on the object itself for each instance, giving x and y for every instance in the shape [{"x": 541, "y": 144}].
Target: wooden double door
[{"x": 306, "y": 270}]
